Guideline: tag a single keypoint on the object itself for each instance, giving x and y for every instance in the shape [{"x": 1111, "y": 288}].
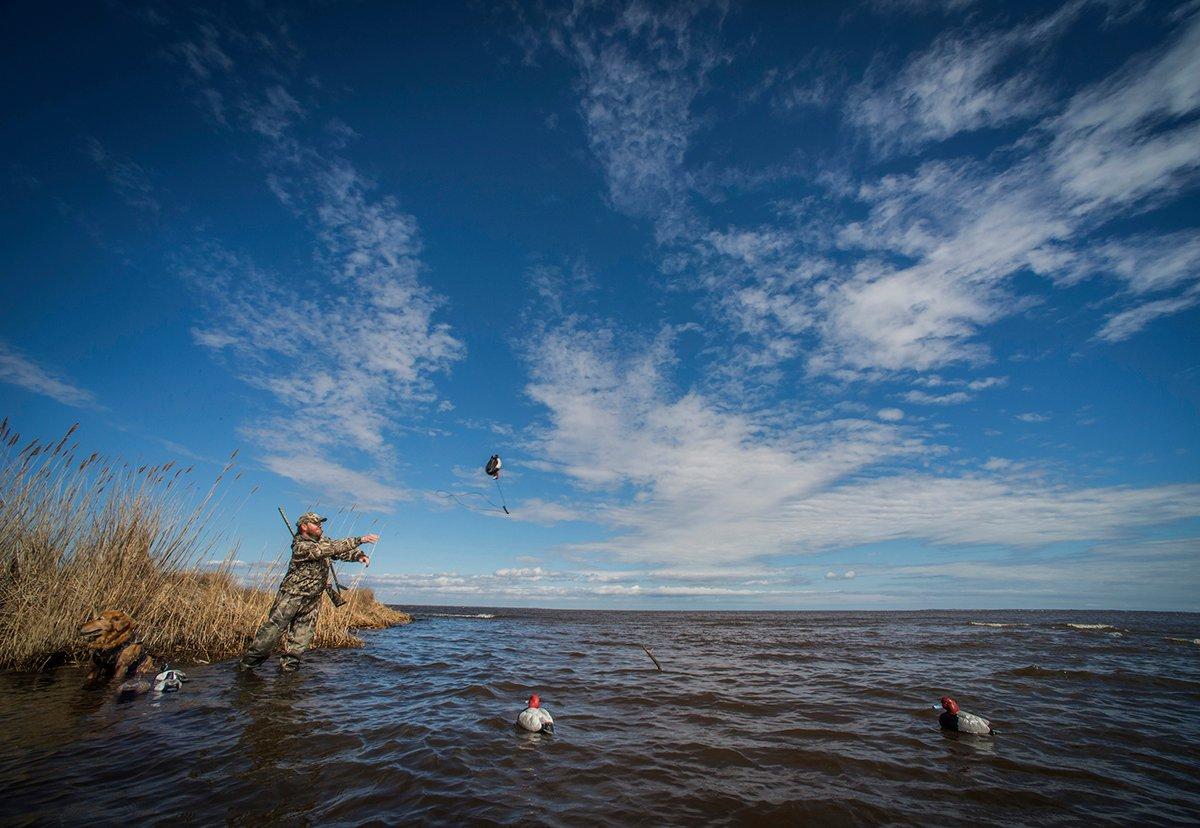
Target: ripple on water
[{"x": 813, "y": 717}]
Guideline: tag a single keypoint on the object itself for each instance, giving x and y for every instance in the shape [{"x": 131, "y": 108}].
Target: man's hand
[{"x": 362, "y": 556}]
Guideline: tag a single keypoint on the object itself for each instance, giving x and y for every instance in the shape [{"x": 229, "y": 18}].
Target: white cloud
[
  {"x": 964, "y": 390},
  {"x": 522, "y": 572},
  {"x": 982, "y": 510},
  {"x": 321, "y": 476},
  {"x": 707, "y": 477},
  {"x": 891, "y": 414},
  {"x": 957, "y": 85},
  {"x": 914, "y": 284},
  {"x": 1103, "y": 571},
  {"x": 537, "y": 510},
  {"x": 968, "y": 231},
  {"x": 1033, "y": 417},
  {"x": 1126, "y": 323},
  {"x": 921, "y": 6},
  {"x": 713, "y": 486},
  {"x": 130, "y": 180},
  {"x": 969, "y": 227},
  {"x": 641, "y": 70},
  {"x": 1146, "y": 263},
  {"x": 952, "y": 398},
  {"x": 18, "y": 369},
  {"x": 346, "y": 359},
  {"x": 538, "y": 584},
  {"x": 1111, "y": 148},
  {"x": 811, "y": 84},
  {"x": 204, "y": 54},
  {"x": 964, "y": 81},
  {"x": 556, "y": 286}
]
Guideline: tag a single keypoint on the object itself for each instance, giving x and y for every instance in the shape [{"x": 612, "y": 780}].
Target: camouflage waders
[{"x": 293, "y": 616}]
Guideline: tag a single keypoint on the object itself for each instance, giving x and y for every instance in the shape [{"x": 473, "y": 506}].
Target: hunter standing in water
[{"x": 294, "y": 612}]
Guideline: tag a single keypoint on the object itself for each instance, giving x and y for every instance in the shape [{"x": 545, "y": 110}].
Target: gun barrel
[{"x": 286, "y": 522}]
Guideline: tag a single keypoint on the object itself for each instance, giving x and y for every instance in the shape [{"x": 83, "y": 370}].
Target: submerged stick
[{"x": 652, "y": 658}]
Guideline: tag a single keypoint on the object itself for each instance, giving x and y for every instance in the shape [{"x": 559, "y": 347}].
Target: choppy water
[{"x": 759, "y": 718}]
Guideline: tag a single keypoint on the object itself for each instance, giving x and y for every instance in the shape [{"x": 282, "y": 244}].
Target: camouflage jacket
[{"x": 309, "y": 570}]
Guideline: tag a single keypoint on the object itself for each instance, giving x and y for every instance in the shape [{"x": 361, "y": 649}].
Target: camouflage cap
[{"x": 310, "y": 517}]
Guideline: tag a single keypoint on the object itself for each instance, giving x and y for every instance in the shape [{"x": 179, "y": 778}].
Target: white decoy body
[
  {"x": 169, "y": 680},
  {"x": 955, "y": 719},
  {"x": 534, "y": 719}
]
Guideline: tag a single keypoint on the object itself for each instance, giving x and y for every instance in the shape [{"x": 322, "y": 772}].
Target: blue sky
[{"x": 878, "y": 305}]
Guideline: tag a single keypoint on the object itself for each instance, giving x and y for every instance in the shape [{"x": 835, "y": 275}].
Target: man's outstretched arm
[
  {"x": 348, "y": 548},
  {"x": 345, "y": 549}
]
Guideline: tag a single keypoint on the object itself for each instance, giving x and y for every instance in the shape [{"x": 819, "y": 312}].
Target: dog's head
[{"x": 110, "y": 629}]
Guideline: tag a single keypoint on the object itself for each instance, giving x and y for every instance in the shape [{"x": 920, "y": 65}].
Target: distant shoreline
[{"x": 405, "y": 607}]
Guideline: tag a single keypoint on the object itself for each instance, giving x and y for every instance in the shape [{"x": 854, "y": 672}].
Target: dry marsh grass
[{"x": 83, "y": 536}]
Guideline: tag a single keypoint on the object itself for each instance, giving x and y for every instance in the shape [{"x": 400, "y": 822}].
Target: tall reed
[{"x": 81, "y": 536}]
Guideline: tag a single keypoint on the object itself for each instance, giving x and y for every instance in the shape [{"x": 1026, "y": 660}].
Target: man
[{"x": 294, "y": 612}]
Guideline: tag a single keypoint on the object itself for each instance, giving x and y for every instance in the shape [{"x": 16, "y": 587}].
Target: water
[{"x": 759, "y": 718}]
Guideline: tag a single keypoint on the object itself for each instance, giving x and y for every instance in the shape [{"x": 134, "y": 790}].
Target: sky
[{"x": 888, "y": 304}]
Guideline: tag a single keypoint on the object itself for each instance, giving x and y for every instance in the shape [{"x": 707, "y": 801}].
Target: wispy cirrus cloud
[
  {"x": 966, "y": 80},
  {"x": 130, "y": 180},
  {"x": 1129, "y": 138},
  {"x": 921, "y": 6},
  {"x": 641, "y": 69},
  {"x": 912, "y": 286},
  {"x": 970, "y": 227},
  {"x": 23, "y": 372},
  {"x": 1145, "y": 264},
  {"x": 903, "y": 290},
  {"x": 945, "y": 391},
  {"x": 1126, "y": 323},
  {"x": 957, "y": 85},
  {"x": 345, "y": 352},
  {"x": 1139, "y": 572},
  {"x": 949, "y": 398},
  {"x": 365, "y": 489},
  {"x": 710, "y": 485}
]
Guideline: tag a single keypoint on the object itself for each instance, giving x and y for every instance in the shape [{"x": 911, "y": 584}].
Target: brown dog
[{"x": 117, "y": 652}]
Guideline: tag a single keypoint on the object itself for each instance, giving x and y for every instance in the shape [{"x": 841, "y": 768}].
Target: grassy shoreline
[{"x": 85, "y": 535}]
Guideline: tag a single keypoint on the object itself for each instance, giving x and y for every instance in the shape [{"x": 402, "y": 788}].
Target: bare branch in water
[{"x": 652, "y": 658}]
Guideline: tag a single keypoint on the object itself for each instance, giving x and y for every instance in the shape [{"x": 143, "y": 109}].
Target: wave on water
[
  {"x": 1091, "y": 626},
  {"x": 1097, "y": 730},
  {"x": 1116, "y": 678},
  {"x": 1034, "y": 671}
]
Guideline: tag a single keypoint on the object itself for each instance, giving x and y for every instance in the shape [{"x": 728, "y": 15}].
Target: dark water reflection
[{"x": 759, "y": 718}]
